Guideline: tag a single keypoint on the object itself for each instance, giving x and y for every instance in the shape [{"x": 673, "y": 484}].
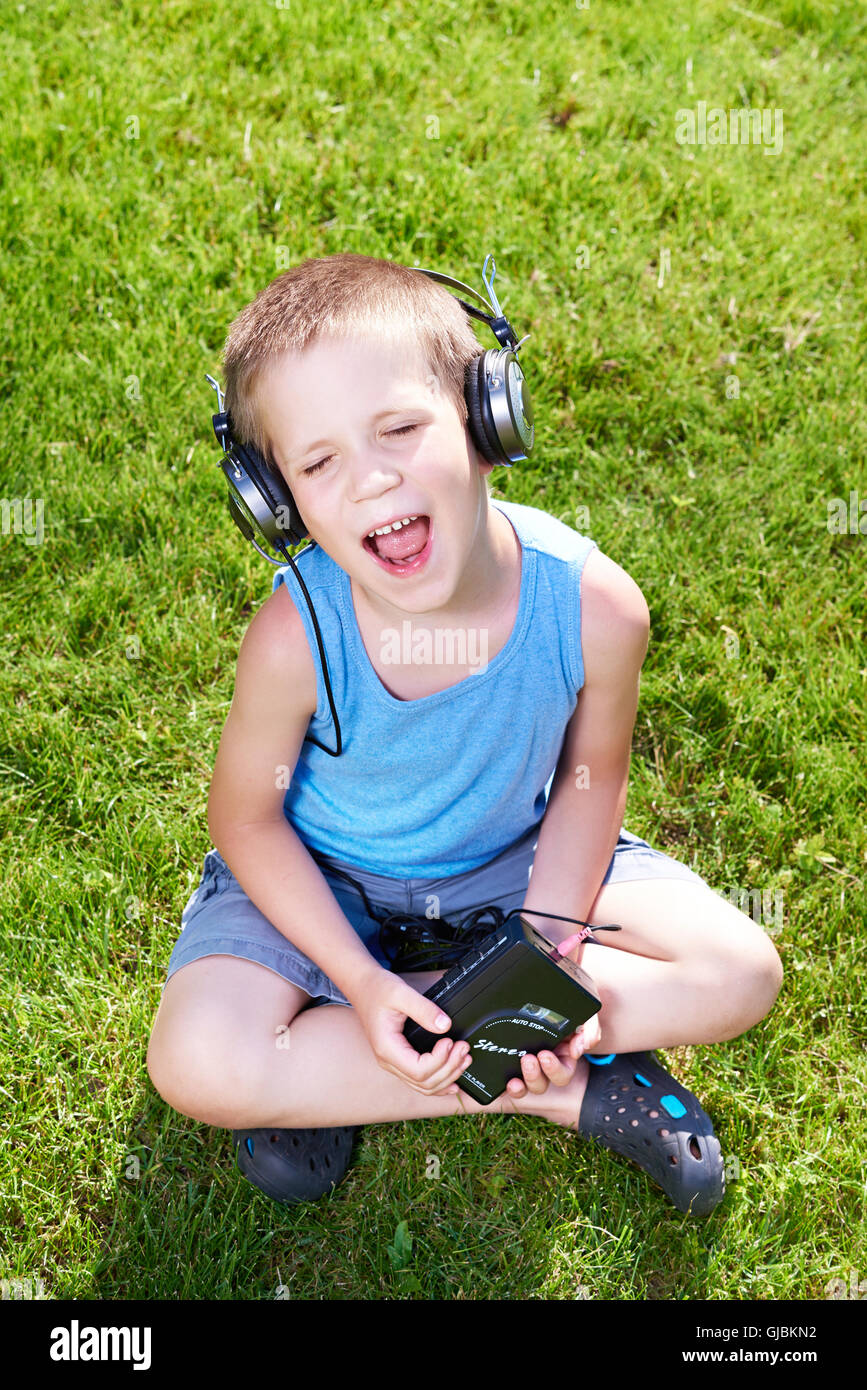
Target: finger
[
  {"x": 558, "y": 1069},
  {"x": 442, "y": 1066},
  {"x": 534, "y": 1077},
  {"x": 427, "y": 1065},
  {"x": 592, "y": 1032},
  {"x": 396, "y": 1055},
  {"x": 584, "y": 1037},
  {"x": 421, "y": 1010},
  {"x": 450, "y": 1090},
  {"x": 419, "y": 1077},
  {"x": 454, "y": 1067}
]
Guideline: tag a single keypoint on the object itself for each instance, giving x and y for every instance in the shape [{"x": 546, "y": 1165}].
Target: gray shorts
[{"x": 219, "y": 918}]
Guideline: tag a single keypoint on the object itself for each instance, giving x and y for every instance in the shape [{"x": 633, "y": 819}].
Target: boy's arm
[
  {"x": 588, "y": 795},
  {"x": 275, "y": 695}
]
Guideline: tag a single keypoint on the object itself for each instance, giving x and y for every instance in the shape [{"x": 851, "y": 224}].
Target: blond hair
[{"x": 342, "y": 296}]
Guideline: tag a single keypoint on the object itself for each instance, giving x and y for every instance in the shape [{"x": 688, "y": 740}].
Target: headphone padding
[
  {"x": 272, "y": 487},
  {"x": 473, "y": 379}
]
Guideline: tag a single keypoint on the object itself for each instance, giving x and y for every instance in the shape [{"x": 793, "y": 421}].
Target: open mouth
[{"x": 405, "y": 551}]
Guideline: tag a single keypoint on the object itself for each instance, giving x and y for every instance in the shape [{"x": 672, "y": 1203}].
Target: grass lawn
[{"x": 697, "y": 363}]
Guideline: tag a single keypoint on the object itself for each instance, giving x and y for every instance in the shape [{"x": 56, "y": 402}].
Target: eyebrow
[{"x": 408, "y": 408}]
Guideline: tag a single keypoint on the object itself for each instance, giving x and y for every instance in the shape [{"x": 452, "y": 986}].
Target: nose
[{"x": 371, "y": 473}]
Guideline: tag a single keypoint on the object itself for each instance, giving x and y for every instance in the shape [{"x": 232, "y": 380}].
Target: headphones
[{"x": 500, "y": 420}]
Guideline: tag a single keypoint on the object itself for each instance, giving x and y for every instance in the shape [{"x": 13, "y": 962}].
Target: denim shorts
[{"x": 219, "y": 918}]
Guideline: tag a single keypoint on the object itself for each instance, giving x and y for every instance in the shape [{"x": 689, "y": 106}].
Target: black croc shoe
[
  {"x": 637, "y": 1109},
  {"x": 294, "y": 1165}
]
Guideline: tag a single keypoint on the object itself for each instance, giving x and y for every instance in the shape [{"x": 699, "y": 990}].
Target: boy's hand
[
  {"x": 556, "y": 1066},
  {"x": 383, "y": 1006}
]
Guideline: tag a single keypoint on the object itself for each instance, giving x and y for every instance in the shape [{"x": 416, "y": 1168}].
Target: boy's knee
[
  {"x": 756, "y": 973},
  {"x": 769, "y": 977},
  {"x": 210, "y": 1078}
]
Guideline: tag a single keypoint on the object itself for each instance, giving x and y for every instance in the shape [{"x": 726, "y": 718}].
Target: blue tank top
[{"x": 433, "y": 787}]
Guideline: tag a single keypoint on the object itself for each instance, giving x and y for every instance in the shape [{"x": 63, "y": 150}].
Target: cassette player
[{"x": 512, "y": 994}]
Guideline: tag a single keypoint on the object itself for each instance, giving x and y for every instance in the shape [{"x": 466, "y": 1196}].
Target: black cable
[
  {"x": 334, "y": 753},
  {"x": 416, "y": 942}
]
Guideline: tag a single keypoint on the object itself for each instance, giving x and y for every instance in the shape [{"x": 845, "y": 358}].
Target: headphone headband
[
  {"x": 499, "y": 416},
  {"x": 494, "y": 318}
]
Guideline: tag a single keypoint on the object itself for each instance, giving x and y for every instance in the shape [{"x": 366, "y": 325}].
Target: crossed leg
[
  {"x": 687, "y": 967},
  {"x": 220, "y": 1052}
]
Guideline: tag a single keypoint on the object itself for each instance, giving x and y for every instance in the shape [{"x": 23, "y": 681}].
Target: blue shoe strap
[{"x": 670, "y": 1104}]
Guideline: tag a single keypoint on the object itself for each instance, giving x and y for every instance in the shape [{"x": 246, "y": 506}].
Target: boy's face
[{"x": 350, "y": 472}]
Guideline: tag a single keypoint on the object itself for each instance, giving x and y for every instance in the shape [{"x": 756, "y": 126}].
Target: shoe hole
[
  {"x": 295, "y": 1140},
  {"x": 327, "y": 1161},
  {"x": 663, "y": 1133},
  {"x": 654, "y": 1114},
  {"x": 647, "y": 1142},
  {"x": 694, "y": 1147},
  {"x": 672, "y": 1158},
  {"x": 614, "y": 1097},
  {"x": 312, "y": 1165},
  {"x": 607, "y": 1117},
  {"x": 619, "y": 1130},
  {"x": 272, "y": 1138},
  {"x": 624, "y": 1087},
  {"x": 633, "y": 1122}
]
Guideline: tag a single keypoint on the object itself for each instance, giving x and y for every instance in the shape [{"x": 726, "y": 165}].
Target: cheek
[{"x": 448, "y": 457}]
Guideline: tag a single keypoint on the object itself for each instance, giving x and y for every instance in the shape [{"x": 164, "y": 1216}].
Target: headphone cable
[
  {"x": 417, "y": 942},
  {"x": 334, "y": 753}
]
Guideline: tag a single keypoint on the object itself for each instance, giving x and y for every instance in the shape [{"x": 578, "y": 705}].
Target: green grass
[{"x": 265, "y": 135}]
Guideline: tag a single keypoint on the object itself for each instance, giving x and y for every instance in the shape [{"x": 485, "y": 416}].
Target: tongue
[{"x": 403, "y": 544}]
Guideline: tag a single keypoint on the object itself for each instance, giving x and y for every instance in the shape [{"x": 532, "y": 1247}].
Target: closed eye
[{"x": 315, "y": 467}]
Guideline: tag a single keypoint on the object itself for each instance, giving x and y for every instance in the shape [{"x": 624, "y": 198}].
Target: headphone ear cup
[
  {"x": 261, "y": 497},
  {"x": 475, "y": 384}
]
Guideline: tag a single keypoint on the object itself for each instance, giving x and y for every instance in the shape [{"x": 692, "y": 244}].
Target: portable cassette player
[{"x": 513, "y": 994}]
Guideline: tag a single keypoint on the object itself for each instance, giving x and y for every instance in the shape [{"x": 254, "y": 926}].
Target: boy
[{"x": 280, "y": 1010}]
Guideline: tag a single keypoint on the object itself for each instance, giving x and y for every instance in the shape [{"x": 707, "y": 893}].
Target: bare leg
[
  {"x": 329, "y": 1076},
  {"x": 687, "y": 968},
  {"x": 215, "y": 1054}
]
